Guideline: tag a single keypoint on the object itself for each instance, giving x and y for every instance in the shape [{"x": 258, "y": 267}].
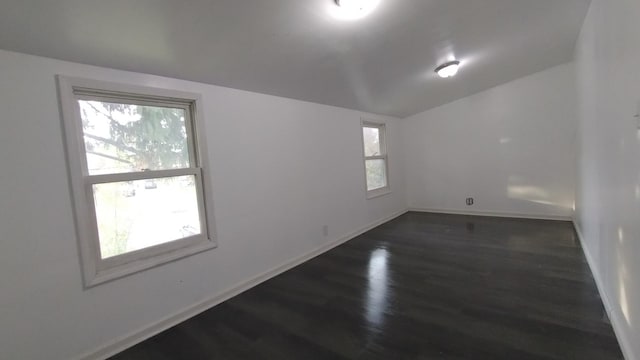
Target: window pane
[
  {"x": 125, "y": 138},
  {"x": 376, "y": 174},
  {"x": 371, "y": 137},
  {"x": 138, "y": 214}
]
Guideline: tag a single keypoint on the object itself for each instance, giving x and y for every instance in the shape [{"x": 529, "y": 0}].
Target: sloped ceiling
[{"x": 295, "y": 48}]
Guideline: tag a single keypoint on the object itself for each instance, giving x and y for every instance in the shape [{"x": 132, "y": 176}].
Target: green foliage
[{"x": 156, "y": 141}]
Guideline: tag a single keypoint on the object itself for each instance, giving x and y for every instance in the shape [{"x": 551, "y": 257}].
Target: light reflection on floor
[{"x": 377, "y": 291}]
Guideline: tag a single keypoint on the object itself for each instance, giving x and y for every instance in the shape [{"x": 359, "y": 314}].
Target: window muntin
[
  {"x": 137, "y": 176},
  {"x": 375, "y": 158}
]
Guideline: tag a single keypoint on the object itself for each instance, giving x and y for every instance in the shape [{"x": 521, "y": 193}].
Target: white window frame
[
  {"x": 95, "y": 269},
  {"x": 382, "y": 131}
]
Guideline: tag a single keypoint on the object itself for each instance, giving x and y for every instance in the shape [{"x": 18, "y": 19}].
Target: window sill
[
  {"x": 107, "y": 275},
  {"x": 372, "y": 194}
]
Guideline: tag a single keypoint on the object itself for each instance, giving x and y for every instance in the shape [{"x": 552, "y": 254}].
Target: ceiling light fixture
[
  {"x": 354, "y": 9},
  {"x": 449, "y": 69}
]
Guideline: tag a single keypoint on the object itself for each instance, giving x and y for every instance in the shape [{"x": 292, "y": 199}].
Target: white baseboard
[
  {"x": 493, "y": 214},
  {"x": 614, "y": 316},
  {"x": 136, "y": 337}
]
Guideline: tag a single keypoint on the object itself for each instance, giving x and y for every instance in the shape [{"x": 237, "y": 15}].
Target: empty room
[{"x": 320, "y": 179}]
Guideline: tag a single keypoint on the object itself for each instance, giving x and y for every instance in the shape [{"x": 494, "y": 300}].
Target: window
[
  {"x": 136, "y": 158},
  {"x": 375, "y": 159}
]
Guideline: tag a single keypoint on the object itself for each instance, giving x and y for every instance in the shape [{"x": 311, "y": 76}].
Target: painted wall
[
  {"x": 511, "y": 148},
  {"x": 608, "y": 193},
  {"x": 281, "y": 170}
]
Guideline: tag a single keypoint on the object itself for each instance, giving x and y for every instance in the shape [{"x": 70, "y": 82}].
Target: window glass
[
  {"x": 134, "y": 215},
  {"x": 376, "y": 174},
  {"x": 371, "y": 138},
  {"x": 123, "y": 138}
]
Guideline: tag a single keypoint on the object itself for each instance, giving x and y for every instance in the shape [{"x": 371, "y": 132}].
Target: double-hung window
[
  {"x": 136, "y": 159},
  {"x": 375, "y": 158}
]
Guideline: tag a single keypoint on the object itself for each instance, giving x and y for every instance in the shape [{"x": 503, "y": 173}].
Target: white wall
[
  {"x": 511, "y": 148},
  {"x": 608, "y": 193},
  {"x": 281, "y": 170}
]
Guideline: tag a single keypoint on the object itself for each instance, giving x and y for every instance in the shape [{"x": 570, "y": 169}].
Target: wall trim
[
  {"x": 493, "y": 214},
  {"x": 138, "y": 336},
  {"x": 614, "y": 316}
]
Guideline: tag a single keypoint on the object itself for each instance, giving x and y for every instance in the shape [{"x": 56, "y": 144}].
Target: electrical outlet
[{"x": 470, "y": 201}]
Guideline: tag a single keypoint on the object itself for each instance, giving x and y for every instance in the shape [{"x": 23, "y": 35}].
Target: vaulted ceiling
[{"x": 296, "y": 48}]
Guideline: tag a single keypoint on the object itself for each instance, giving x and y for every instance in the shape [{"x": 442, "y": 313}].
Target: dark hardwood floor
[{"x": 423, "y": 286}]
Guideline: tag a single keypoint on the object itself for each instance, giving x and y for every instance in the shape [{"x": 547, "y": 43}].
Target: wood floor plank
[{"x": 423, "y": 286}]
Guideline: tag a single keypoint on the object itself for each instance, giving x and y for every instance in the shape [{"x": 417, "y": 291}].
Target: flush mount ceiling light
[
  {"x": 354, "y": 9},
  {"x": 449, "y": 69}
]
